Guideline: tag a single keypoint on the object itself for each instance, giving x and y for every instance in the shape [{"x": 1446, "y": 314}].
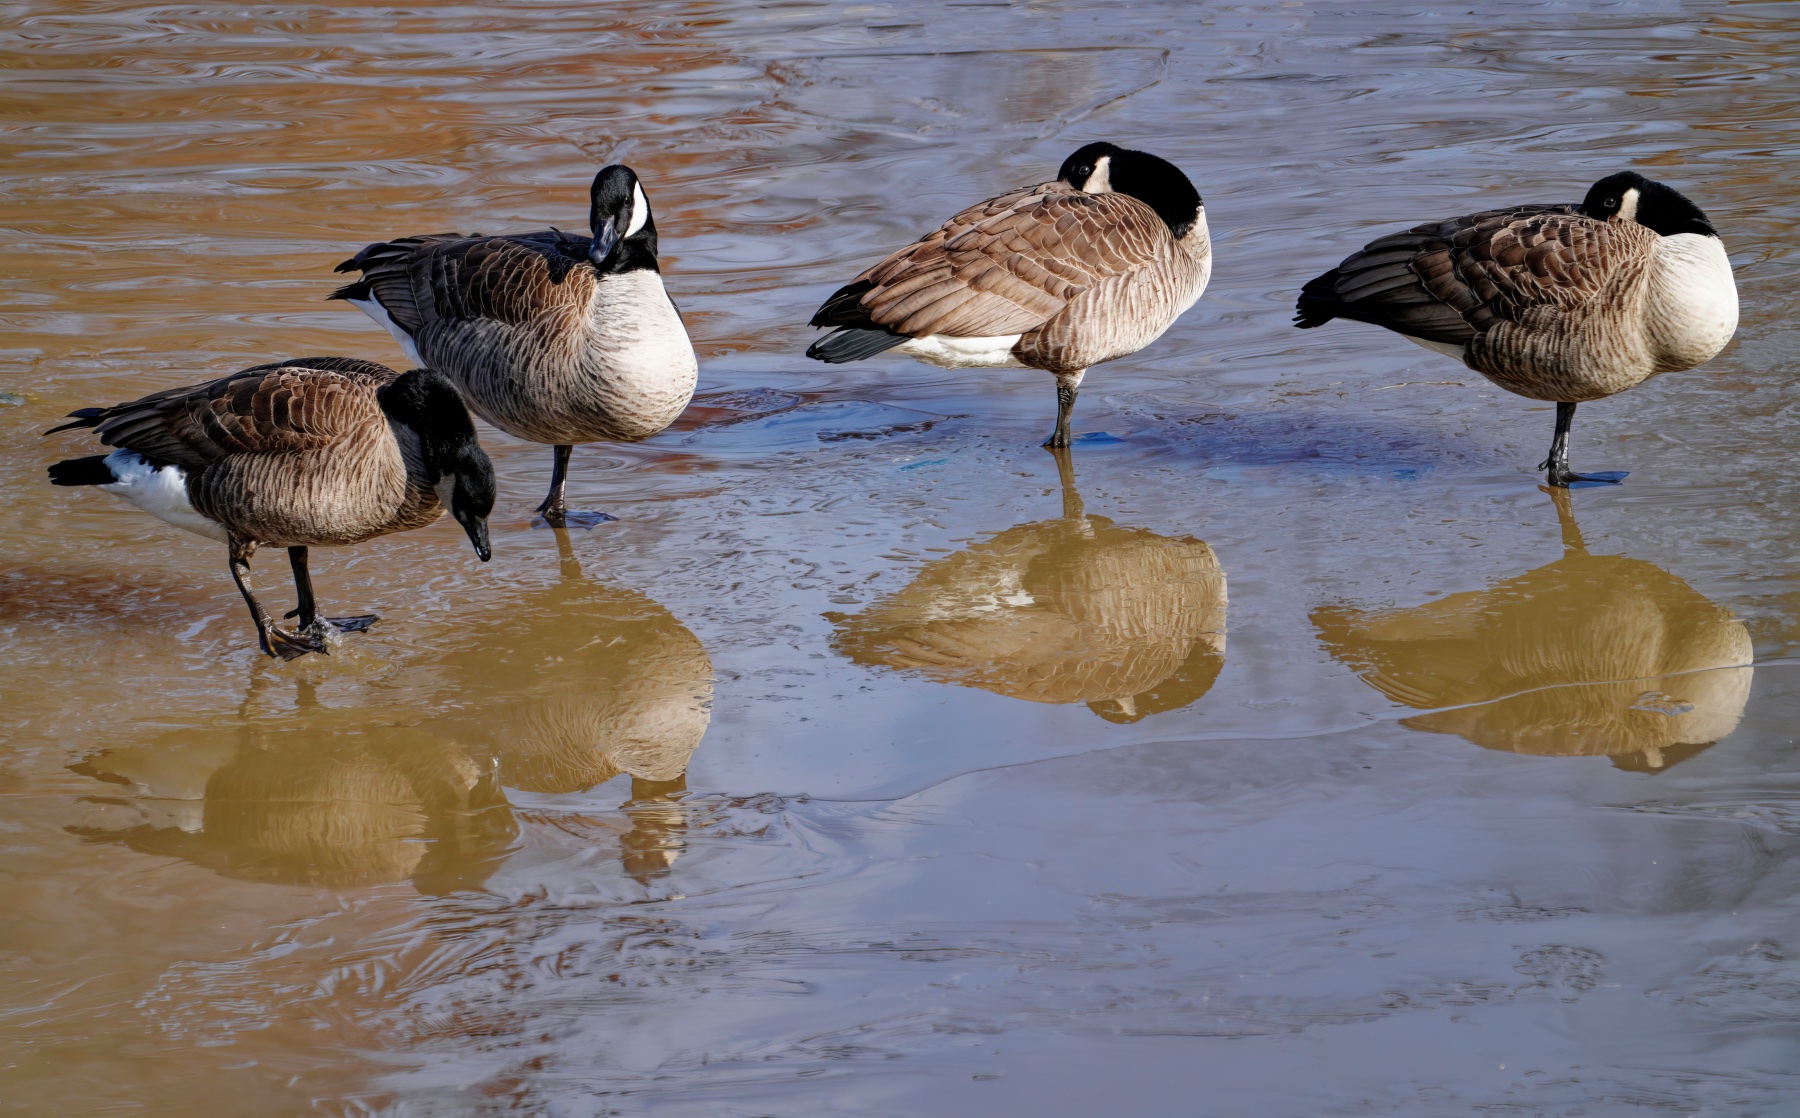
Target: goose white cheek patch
[
  {"x": 1628, "y": 205},
  {"x": 1100, "y": 182},
  {"x": 640, "y": 210}
]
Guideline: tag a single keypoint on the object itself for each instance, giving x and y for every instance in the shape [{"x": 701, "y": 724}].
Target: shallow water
[{"x": 1292, "y": 755}]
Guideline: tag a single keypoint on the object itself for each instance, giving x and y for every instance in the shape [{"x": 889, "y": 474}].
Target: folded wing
[
  {"x": 1448, "y": 281},
  {"x": 1004, "y": 267},
  {"x": 286, "y": 407}
]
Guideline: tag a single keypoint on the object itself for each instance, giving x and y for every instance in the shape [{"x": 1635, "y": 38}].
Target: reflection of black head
[
  {"x": 1187, "y": 685},
  {"x": 659, "y": 825},
  {"x": 1662, "y": 760},
  {"x": 336, "y": 812}
]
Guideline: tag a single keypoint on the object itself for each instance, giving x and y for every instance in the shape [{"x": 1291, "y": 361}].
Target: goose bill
[
  {"x": 606, "y": 235},
  {"x": 478, "y": 535}
]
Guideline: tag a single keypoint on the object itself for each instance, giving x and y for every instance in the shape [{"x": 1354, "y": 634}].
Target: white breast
[
  {"x": 1692, "y": 308},
  {"x": 638, "y": 332},
  {"x": 160, "y": 492},
  {"x": 947, "y": 352}
]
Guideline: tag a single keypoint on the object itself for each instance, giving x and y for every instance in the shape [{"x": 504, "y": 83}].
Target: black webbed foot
[
  {"x": 291, "y": 646},
  {"x": 571, "y": 518},
  {"x": 358, "y": 624},
  {"x": 1558, "y": 475}
]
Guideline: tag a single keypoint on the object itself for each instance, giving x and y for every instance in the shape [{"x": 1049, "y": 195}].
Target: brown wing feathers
[
  {"x": 288, "y": 406},
  {"x": 1003, "y": 267},
  {"x": 449, "y": 277},
  {"x": 1448, "y": 281}
]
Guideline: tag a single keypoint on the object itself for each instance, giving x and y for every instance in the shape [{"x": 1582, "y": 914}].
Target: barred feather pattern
[
  {"x": 542, "y": 345},
  {"x": 1547, "y": 303},
  {"x": 285, "y": 455}
]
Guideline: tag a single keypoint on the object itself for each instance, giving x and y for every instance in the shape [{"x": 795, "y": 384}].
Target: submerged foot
[
  {"x": 357, "y": 624},
  {"x": 1561, "y": 477},
  {"x": 570, "y": 518},
  {"x": 291, "y": 646}
]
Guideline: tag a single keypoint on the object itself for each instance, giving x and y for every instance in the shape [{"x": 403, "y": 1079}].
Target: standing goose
[
  {"x": 552, "y": 337},
  {"x": 1060, "y": 276},
  {"x": 1553, "y": 302},
  {"x": 316, "y": 452}
]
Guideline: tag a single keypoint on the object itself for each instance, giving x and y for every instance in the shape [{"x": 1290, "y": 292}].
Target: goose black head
[
  {"x": 455, "y": 465},
  {"x": 624, "y": 231},
  {"x": 1629, "y": 196},
  {"x": 1103, "y": 168}
]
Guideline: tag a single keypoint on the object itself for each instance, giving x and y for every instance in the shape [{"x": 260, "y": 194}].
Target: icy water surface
[{"x": 1289, "y": 753}]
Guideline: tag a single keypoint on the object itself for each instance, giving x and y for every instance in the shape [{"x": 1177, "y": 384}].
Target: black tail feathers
[
  {"x": 83, "y": 417},
  {"x": 91, "y": 470},
  {"x": 1319, "y": 302},
  {"x": 358, "y": 290},
  {"x": 847, "y": 343}
]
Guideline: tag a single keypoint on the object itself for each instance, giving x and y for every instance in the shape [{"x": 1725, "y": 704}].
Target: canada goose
[
  {"x": 320, "y": 451},
  {"x": 1076, "y": 610},
  {"x": 1592, "y": 655},
  {"x": 1553, "y": 302},
  {"x": 1060, "y": 276},
  {"x": 552, "y": 337},
  {"x": 328, "y": 806}
]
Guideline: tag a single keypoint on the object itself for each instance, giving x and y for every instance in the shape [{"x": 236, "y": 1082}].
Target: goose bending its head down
[
  {"x": 1554, "y": 302},
  {"x": 1060, "y": 276},
  {"x": 552, "y": 337},
  {"x": 314, "y": 452}
]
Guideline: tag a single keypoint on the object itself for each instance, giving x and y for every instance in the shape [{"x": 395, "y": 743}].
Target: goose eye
[
  {"x": 1083, "y": 171},
  {"x": 1610, "y": 203}
]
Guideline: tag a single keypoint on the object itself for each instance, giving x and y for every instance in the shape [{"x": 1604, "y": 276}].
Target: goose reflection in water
[
  {"x": 313, "y": 805},
  {"x": 1073, "y": 610},
  {"x": 1592, "y": 655},
  {"x": 580, "y": 683}
]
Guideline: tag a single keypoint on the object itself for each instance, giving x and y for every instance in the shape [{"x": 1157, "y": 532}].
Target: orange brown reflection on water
[
  {"x": 310, "y": 805},
  {"x": 1072, "y": 610},
  {"x": 572, "y": 685},
  {"x": 1592, "y": 655}
]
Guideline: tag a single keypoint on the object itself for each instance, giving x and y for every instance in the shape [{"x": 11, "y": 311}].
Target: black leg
[
  {"x": 553, "y": 510},
  {"x": 274, "y": 641},
  {"x": 1556, "y": 467},
  {"x": 1067, "y": 386},
  {"x": 308, "y": 610}
]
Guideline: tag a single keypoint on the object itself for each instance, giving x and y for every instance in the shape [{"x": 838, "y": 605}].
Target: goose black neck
[
  {"x": 426, "y": 403},
  {"x": 636, "y": 253}
]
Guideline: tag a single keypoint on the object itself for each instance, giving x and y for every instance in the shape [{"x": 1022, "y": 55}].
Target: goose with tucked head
[
  {"x": 1092, "y": 266},
  {"x": 1560, "y": 303}
]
